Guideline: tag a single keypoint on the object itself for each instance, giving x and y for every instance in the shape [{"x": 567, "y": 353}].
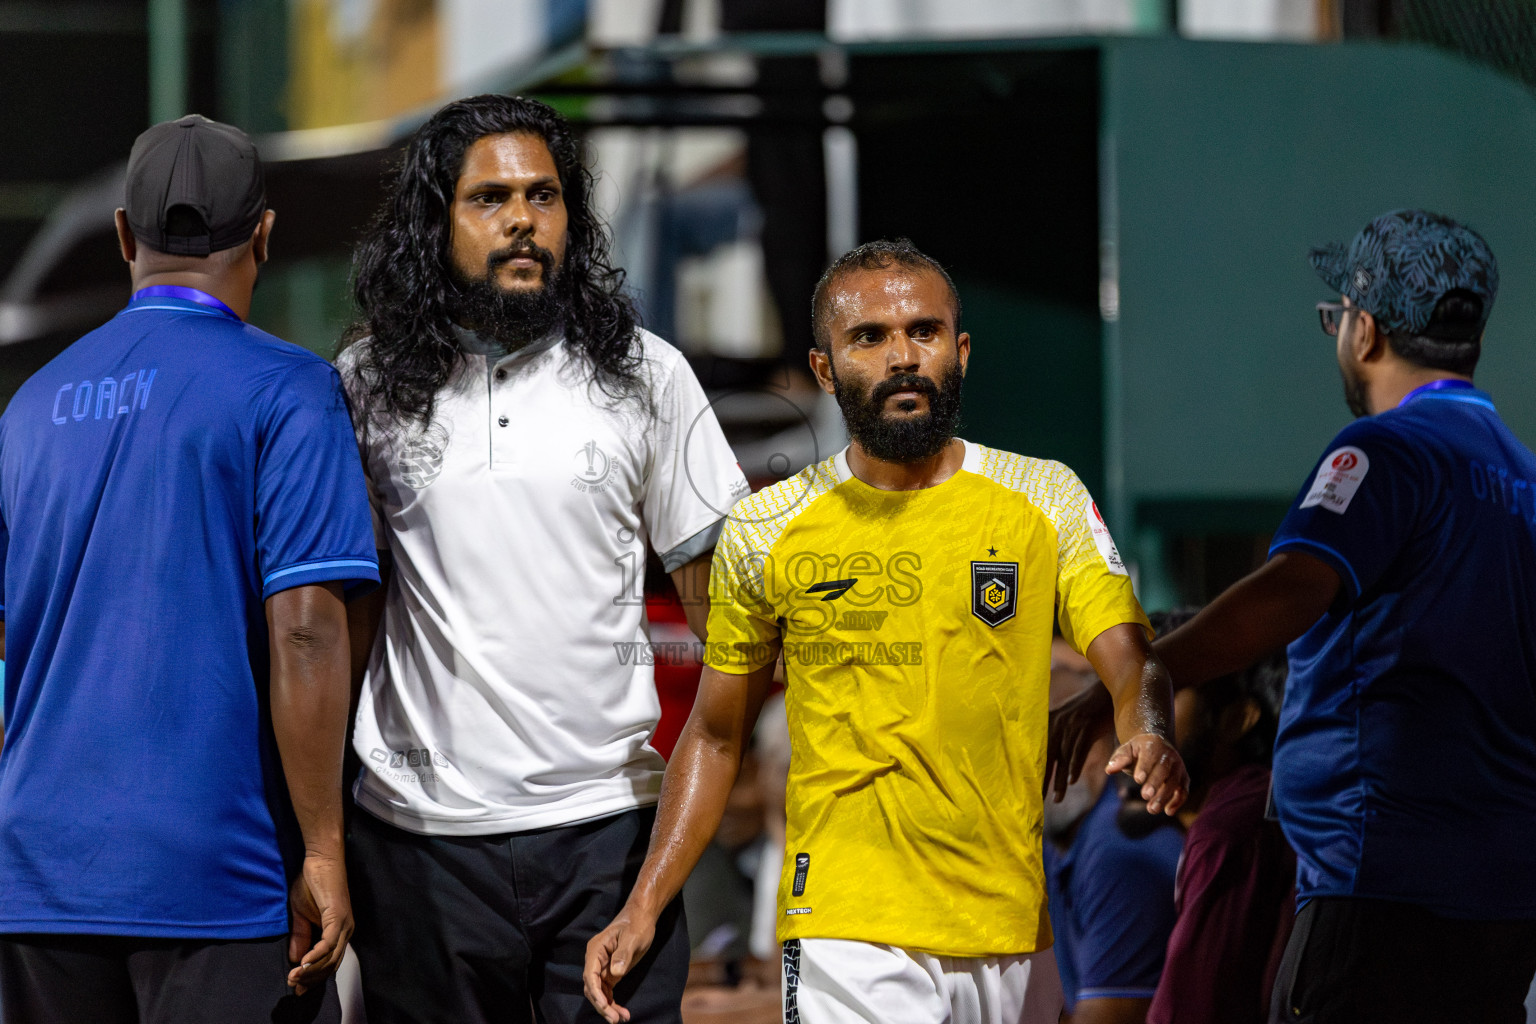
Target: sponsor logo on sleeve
[
  {"x": 1338, "y": 478},
  {"x": 1103, "y": 541}
]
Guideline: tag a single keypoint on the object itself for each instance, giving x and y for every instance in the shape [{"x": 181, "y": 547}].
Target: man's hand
[
  {"x": 1075, "y": 725},
  {"x": 610, "y": 956},
  {"x": 1142, "y": 693},
  {"x": 694, "y": 792},
  {"x": 318, "y": 903},
  {"x": 1156, "y": 766}
]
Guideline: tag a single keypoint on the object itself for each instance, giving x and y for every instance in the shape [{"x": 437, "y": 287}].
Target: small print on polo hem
[{"x": 802, "y": 868}]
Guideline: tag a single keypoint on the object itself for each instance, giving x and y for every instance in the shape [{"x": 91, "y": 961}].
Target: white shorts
[{"x": 835, "y": 981}]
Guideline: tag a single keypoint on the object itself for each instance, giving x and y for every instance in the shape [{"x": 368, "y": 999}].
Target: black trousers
[
  {"x": 480, "y": 929},
  {"x": 104, "y": 979},
  {"x": 1366, "y": 961}
]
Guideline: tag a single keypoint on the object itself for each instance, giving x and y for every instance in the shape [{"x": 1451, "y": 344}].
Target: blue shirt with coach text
[
  {"x": 159, "y": 480},
  {"x": 1405, "y": 767}
]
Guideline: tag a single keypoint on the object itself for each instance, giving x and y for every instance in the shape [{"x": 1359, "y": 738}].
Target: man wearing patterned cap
[{"x": 1404, "y": 579}]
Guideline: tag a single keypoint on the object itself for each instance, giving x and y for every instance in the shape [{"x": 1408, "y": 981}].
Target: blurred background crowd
[{"x": 1124, "y": 191}]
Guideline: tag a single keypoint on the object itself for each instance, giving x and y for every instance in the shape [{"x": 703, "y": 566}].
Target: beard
[
  {"x": 513, "y": 317},
  {"x": 1354, "y": 394},
  {"x": 904, "y": 439}
]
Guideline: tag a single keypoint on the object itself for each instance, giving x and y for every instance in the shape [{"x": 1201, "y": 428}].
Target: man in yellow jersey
[{"x": 910, "y": 583}]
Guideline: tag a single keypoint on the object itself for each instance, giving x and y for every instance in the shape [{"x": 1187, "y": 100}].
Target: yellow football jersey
[{"x": 916, "y": 631}]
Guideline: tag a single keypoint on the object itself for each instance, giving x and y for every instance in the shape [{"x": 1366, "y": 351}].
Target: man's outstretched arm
[
  {"x": 1142, "y": 693},
  {"x": 310, "y": 661},
  {"x": 693, "y": 794},
  {"x": 1259, "y": 614}
]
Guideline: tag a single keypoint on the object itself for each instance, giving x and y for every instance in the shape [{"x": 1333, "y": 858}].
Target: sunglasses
[{"x": 1332, "y": 316}]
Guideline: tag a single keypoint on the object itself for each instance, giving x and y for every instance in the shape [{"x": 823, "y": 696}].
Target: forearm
[
  {"x": 1142, "y": 693},
  {"x": 309, "y": 696},
  {"x": 698, "y": 783},
  {"x": 1144, "y": 704},
  {"x": 1261, "y": 613},
  {"x": 1137, "y": 682},
  {"x": 364, "y": 615},
  {"x": 693, "y": 796}
]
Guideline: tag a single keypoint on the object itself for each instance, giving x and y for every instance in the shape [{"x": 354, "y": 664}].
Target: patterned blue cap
[{"x": 1402, "y": 263}]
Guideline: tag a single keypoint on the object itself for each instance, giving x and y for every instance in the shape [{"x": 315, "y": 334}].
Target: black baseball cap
[{"x": 194, "y": 187}]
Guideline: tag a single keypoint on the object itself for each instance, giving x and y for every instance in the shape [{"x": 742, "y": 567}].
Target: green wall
[
  {"x": 305, "y": 301},
  {"x": 1032, "y": 382},
  {"x": 1221, "y": 164}
]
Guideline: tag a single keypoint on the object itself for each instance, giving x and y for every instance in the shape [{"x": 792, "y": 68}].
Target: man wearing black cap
[
  {"x": 1405, "y": 574},
  {"x": 181, "y": 506}
]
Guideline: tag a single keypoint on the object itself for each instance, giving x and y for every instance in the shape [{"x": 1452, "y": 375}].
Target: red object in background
[{"x": 677, "y": 667}]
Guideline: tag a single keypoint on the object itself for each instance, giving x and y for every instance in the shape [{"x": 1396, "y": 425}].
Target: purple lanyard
[
  {"x": 176, "y": 291},
  {"x": 1444, "y": 384}
]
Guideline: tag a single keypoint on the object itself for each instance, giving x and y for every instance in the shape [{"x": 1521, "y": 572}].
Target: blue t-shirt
[
  {"x": 1405, "y": 766},
  {"x": 1111, "y": 903},
  {"x": 159, "y": 480}
]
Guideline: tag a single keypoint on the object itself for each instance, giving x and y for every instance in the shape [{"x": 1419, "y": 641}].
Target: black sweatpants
[
  {"x": 1366, "y": 961},
  {"x": 106, "y": 979},
  {"x": 481, "y": 929}
]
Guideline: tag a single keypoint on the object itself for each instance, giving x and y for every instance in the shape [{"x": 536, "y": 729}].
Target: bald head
[{"x": 899, "y": 257}]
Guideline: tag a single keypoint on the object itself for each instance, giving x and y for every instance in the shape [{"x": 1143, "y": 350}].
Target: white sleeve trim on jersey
[{"x": 700, "y": 543}]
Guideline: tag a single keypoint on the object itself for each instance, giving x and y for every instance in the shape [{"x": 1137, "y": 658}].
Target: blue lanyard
[
  {"x": 1444, "y": 384},
  {"x": 176, "y": 291}
]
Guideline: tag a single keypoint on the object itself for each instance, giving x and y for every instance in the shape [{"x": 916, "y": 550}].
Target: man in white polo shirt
[{"x": 526, "y": 444}]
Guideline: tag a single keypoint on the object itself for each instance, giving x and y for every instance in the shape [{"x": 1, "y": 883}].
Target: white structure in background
[
  {"x": 622, "y": 22},
  {"x": 855, "y": 20},
  {"x": 470, "y": 52},
  {"x": 723, "y": 305},
  {"x": 1249, "y": 19}
]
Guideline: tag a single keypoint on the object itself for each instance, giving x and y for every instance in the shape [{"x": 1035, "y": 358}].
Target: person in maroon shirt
[{"x": 1235, "y": 894}]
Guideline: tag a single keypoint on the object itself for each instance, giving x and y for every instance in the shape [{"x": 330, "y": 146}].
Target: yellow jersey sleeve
[
  {"x": 1093, "y": 588},
  {"x": 743, "y": 628}
]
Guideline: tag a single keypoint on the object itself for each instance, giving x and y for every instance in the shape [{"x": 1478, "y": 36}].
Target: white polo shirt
[{"x": 508, "y": 688}]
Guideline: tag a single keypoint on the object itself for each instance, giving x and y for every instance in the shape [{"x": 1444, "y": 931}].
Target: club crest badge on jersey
[{"x": 994, "y": 591}]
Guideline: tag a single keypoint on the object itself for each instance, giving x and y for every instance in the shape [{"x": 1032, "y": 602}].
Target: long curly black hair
[{"x": 405, "y": 288}]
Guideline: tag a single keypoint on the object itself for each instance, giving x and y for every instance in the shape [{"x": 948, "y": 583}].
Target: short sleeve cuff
[
  {"x": 1086, "y": 633},
  {"x": 1107, "y": 992},
  {"x": 351, "y": 572},
  {"x": 1318, "y": 549},
  {"x": 737, "y": 658},
  {"x": 699, "y": 544}
]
